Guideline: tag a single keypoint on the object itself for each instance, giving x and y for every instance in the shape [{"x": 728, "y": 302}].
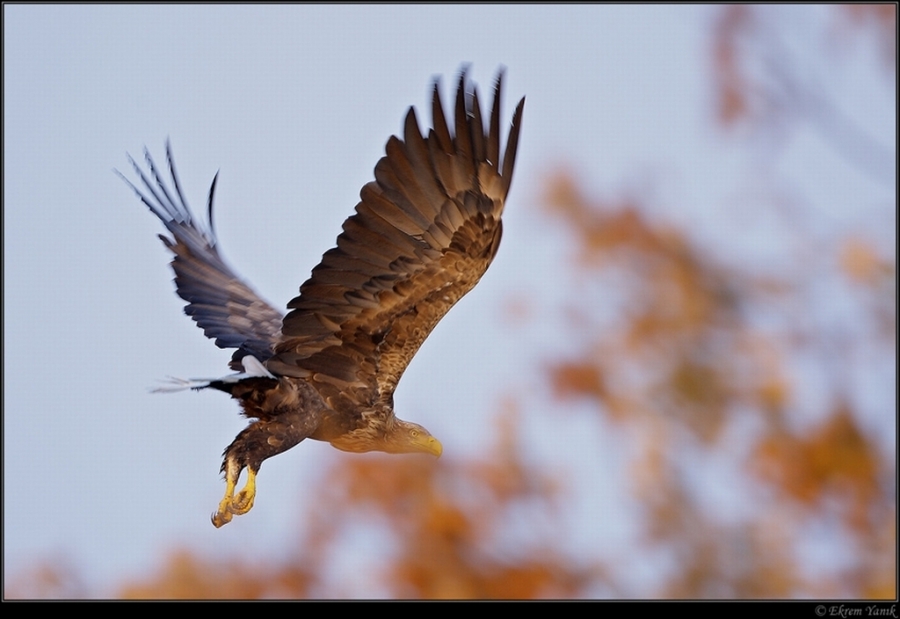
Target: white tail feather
[{"x": 252, "y": 367}]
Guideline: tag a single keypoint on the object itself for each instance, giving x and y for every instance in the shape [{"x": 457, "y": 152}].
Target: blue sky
[{"x": 293, "y": 106}]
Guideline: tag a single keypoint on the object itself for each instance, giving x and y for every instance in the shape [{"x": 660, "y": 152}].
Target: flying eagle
[{"x": 423, "y": 234}]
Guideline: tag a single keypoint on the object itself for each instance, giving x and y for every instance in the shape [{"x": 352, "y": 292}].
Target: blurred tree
[
  {"x": 51, "y": 579},
  {"x": 701, "y": 359}
]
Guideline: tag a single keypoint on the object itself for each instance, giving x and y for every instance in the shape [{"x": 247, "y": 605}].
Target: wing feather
[
  {"x": 493, "y": 138},
  {"x": 441, "y": 128},
  {"x": 374, "y": 202},
  {"x": 512, "y": 143},
  {"x": 476, "y": 129},
  {"x": 423, "y": 234},
  {"x": 465, "y": 170},
  {"x": 226, "y": 308},
  {"x": 418, "y": 156}
]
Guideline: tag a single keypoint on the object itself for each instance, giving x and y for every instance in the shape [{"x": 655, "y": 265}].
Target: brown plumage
[{"x": 423, "y": 234}]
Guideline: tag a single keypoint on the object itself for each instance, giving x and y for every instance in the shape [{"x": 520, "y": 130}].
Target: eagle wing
[
  {"x": 423, "y": 234},
  {"x": 226, "y": 308}
]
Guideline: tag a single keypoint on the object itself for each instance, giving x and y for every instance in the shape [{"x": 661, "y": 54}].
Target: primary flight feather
[{"x": 424, "y": 232}]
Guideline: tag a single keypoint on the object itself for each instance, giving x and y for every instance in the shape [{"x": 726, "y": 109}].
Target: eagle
[{"x": 423, "y": 234}]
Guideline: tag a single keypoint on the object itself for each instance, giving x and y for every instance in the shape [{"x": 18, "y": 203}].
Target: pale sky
[{"x": 293, "y": 106}]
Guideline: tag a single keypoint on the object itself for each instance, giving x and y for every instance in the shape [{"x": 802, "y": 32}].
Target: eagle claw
[
  {"x": 242, "y": 503},
  {"x": 235, "y": 505},
  {"x": 221, "y": 518}
]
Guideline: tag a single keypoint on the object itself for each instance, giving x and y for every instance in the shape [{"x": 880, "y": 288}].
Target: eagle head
[{"x": 406, "y": 437}]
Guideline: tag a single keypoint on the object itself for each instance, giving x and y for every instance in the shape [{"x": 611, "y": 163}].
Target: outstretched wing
[
  {"x": 222, "y": 305},
  {"x": 424, "y": 233}
]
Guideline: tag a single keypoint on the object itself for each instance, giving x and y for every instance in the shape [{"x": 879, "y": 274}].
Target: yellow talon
[
  {"x": 221, "y": 518},
  {"x": 223, "y": 515},
  {"x": 232, "y": 505},
  {"x": 243, "y": 502},
  {"x": 229, "y": 505}
]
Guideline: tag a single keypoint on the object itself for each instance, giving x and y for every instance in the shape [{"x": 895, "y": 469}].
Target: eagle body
[{"x": 423, "y": 234}]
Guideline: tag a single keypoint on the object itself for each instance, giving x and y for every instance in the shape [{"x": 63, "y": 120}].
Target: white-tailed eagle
[{"x": 424, "y": 232}]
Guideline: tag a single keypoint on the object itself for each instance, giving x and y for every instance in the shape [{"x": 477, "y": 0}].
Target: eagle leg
[
  {"x": 257, "y": 442},
  {"x": 243, "y": 502},
  {"x": 231, "y": 505}
]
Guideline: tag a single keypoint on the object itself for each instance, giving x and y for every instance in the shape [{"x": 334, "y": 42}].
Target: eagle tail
[{"x": 252, "y": 369}]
